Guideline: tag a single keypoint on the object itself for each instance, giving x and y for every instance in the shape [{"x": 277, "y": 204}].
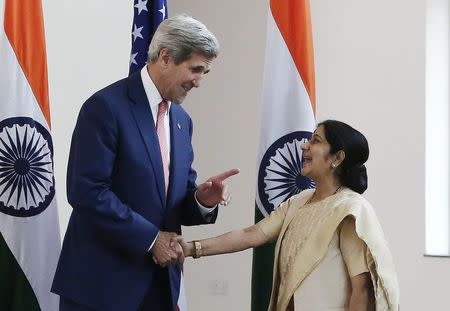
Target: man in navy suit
[{"x": 131, "y": 183}]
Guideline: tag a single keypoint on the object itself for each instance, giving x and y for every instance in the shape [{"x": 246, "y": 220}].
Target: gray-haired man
[{"x": 131, "y": 183}]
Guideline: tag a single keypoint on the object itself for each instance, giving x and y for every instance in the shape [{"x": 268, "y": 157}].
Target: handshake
[{"x": 170, "y": 249}]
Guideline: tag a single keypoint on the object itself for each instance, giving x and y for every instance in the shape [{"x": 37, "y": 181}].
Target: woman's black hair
[{"x": 352, "y": 171}]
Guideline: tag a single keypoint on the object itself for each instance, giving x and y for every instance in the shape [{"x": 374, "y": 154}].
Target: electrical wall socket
[{"x": 218, "y": 287}]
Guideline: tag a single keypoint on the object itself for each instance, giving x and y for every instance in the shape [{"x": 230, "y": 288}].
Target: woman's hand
[
  {"x": 164, "y": 252},
  {"x": 187, "y": 247}
]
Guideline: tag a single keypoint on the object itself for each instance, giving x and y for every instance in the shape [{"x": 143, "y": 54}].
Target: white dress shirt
[{"x": 154, "y": 98}]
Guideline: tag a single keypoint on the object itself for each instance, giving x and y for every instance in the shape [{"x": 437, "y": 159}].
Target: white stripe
[
  {"x": 16, "y": 94},
  {"x": 286, "y": 106},
  {"x": 34, "y": 241}
]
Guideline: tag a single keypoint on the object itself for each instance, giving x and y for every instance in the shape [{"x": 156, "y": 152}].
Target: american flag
[{"x": 148, "y": 14}]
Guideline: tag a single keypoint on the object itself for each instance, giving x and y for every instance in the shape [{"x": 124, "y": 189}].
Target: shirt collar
[{"x": 153, "y": 95}]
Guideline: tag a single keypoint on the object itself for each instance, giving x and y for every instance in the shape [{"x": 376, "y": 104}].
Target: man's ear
[{"x": 164, "y": 57}]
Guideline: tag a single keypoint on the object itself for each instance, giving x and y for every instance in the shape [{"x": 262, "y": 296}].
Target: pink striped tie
[{"x": 160, "y": 130}]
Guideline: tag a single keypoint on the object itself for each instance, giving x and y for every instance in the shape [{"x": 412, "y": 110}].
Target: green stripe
[
  {"x": 262, "y": 272},
  {"x": 16, "y": 293}
]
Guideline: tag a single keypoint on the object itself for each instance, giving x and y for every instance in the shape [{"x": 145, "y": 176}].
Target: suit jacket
[{"x": 115, "y": 185}]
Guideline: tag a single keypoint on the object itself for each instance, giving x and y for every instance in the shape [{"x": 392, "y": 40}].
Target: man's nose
[{"x": 196, "y": 80}]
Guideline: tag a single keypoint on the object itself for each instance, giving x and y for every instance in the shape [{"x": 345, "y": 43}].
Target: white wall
[
  {"x": 370, "y": 59},
  {"x": 88, "y": 47}
]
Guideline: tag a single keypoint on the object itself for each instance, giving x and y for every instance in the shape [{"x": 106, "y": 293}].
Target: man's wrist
[{"x": 201, "y": 204}]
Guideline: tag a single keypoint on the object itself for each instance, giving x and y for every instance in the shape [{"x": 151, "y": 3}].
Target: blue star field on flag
[{"x": 148, "y": 14}]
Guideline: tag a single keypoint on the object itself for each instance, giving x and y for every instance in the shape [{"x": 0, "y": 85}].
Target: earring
[{"x": 333, "y": 165}]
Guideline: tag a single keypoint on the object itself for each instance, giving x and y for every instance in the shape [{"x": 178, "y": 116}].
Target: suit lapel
[
  {"x": 175, "y": 154},
  {"x": 144, "y": 119}
]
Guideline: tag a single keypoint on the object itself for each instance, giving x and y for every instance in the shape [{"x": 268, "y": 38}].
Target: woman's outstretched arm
[{"x": 234, "y": 241}]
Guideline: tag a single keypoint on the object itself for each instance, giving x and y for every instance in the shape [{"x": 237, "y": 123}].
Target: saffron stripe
[
  {"x": 24, "y": 28},
  {"x": 293, "y": 19}
]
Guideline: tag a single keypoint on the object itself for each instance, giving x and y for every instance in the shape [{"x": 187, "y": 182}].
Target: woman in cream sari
[{"x": 330, "y": 252}]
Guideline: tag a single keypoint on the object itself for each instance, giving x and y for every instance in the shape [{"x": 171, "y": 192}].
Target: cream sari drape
[{"x": 341, "y": 205}]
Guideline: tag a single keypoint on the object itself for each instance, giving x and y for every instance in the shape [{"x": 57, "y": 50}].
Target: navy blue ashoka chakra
[
  {"x": 279, "y": 175},
  {"x": 27, "y": 185}
]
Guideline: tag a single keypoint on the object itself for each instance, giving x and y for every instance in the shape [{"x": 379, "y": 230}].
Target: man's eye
[{"x": 197, "y": 70}]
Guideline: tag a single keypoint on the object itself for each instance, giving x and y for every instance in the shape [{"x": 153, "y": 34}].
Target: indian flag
[
  {"x": 29, "y": 230},
  {"x": 288, "y": 119}
]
